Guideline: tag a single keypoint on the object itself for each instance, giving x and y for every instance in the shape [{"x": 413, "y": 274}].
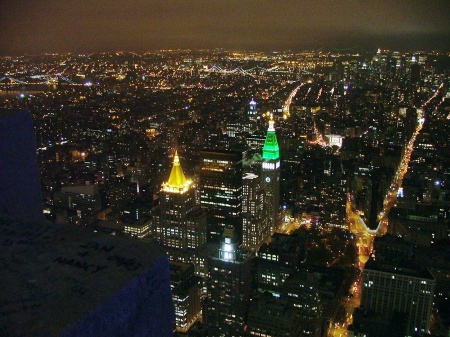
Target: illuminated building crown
[
  {"x": 271, "y": 150},
  {"x": 228, "y": 247},
  {"x": 177, "y": 181}
]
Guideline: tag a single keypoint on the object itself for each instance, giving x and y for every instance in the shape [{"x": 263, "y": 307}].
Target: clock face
[{"x": 268, "y": 179}]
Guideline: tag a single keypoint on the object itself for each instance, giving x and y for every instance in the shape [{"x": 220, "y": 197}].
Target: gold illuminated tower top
[{"x": 177, "y": 182}]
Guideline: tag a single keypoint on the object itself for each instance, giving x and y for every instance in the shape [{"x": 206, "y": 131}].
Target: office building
[
  {"x": 139, "y": 228},
  {"x": 186, "y": 291},
  {"x": 121, "y": 194},
  {"x": 278, "y": 260},
  {"x": 85, "y": 200},
  {"x": 255, "y": 224},
  {"x": 221, "y": 191},
  {"x": 332, "y": 192},
  {"x": 301, "y": 290},
  {"x": 395, "y": 286},
  {"x": 269, "y": 316},
  {"x": 180, "y": 224},
  {"x": 228, "y": 288}
]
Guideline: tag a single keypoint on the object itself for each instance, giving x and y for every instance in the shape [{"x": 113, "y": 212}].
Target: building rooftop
[
  {"x": 68, "y": 281},
  {"x": 398, "y": 265},
  {"x": 284, "y": 243},
  {"x": 81, "y": 189}
]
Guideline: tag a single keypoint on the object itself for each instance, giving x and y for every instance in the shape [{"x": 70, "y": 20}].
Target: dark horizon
[{"x": 101, "y": 26}]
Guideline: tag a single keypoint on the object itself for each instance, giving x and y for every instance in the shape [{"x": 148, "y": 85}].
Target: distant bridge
[
  {"x": 253, "y": 72},
  {"x": 39, "y": 79},
  {"x": 217, "y": 69},
  {"x": 13, "y": 80}
]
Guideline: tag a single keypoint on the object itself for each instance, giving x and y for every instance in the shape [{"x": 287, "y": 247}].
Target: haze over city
[{"x": 92, "y": 26}]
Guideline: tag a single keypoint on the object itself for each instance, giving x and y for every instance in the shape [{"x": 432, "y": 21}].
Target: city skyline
[
  {"x": 292, "y": 193},
  {"x": 64, "y": 26}
]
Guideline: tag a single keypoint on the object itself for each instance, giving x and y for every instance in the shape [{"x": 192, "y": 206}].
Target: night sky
[{"x": 144, "y": 25}]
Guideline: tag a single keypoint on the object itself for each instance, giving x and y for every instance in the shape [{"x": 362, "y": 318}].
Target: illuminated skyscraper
[
  {"x": 180, "y": 224},
  {"x": 270, "y": 173},
  {"x": 221, "y": 191},
  {"x": 255, "y": 224},
  {"x": 252, "y": 116},
  {"x": 228, "y": 288}
]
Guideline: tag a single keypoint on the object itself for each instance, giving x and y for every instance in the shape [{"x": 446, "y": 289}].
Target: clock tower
[{"x": 270, "y": 173}]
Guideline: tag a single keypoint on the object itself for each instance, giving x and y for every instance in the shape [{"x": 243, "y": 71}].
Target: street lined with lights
[{"x": 364, "y": 235}]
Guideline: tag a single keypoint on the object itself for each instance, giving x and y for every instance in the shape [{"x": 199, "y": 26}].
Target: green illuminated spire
[{"x": 271, "y": 151}]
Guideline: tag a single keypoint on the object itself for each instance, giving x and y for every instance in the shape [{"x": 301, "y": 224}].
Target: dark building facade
[
  {"x": 393, "y": 286},
  {"x": 20, "y": 188},
  {"x": 228, "y": 288},
  {"x": 186, "y": 288},
  {"x": 221, "y": 191}
]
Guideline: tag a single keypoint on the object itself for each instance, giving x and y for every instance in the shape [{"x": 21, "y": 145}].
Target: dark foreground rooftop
[{"x": 67, "y": 281}]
